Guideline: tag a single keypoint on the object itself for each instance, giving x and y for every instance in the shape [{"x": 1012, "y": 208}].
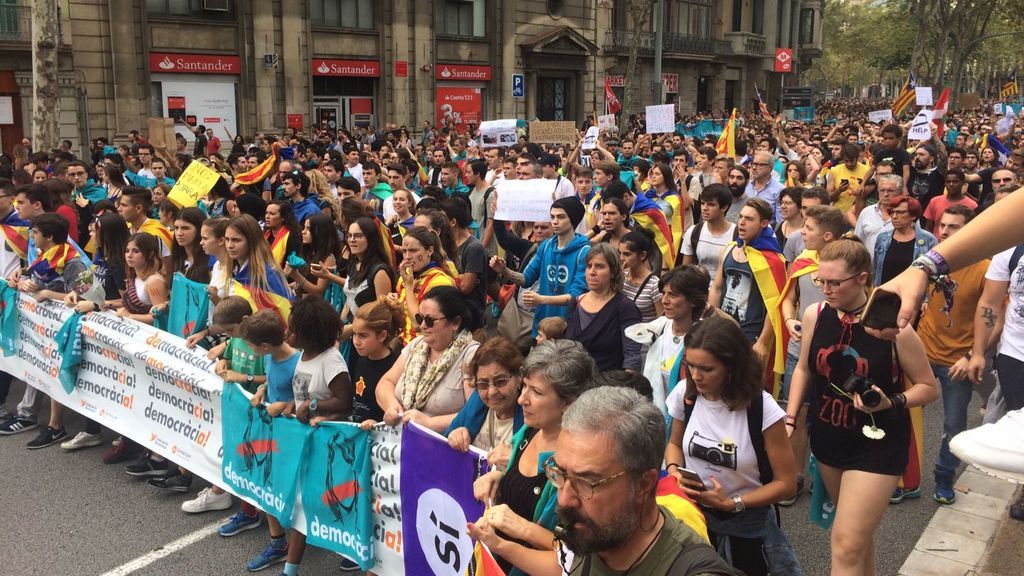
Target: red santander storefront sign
[
  {"x": 461, "y": 72},
  {"x": 194, "y": 63},
  {"x": 349, "y": 68}
]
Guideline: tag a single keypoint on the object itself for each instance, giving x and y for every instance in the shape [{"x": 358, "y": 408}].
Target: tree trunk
[
  {"x": 920, "y": 13},
  {"x": 638, "y": 12},
  {"x": 45, "y": 84}
]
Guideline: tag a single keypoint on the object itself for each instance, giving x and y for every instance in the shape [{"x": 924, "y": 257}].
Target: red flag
[
  {"x": 614, "y": 106},
  {"x": 941, "y": 105}
]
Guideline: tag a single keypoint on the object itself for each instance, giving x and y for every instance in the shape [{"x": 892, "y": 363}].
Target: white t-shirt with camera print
[{"x": 717, "y": 441}]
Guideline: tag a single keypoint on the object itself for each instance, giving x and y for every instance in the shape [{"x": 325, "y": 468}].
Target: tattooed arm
[{"x": 990, "y": 310}]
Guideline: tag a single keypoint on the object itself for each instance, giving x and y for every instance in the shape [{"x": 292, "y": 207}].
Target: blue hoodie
[{"x": 560, "y": 271}]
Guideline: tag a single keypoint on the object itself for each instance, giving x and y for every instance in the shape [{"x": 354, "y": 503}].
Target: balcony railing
[
  {"x": 16, "y": 24},
  {"x": 620, "y": 40},
  {"x": 746, "y": 43}
]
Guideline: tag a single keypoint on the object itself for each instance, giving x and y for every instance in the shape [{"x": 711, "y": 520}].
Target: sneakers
[
  {"x": 276, "y": 551},
  {"x": 799, "y": 490},
  {"x": 147, "y": 468},
  {"x": 175, "y": 482},
  {"x": 996, "y": 449},
  {"x": 347, "y": 565},
  {"x": 240, "y": 523},
  {"x": 82, "y": 440},
  {"x": 944, "y": 493},
  {"x": 1017, "y": 509},
  {"x": 16, "y": 425},
  {"x": 48, "y": 437},
  {"x": 206, "y": 501},
  {"x": 901, "y": 494},
  {"x": 121, "y": 451}
]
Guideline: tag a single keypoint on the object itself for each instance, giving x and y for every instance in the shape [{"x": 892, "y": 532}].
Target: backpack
[
  {"x": 695, "y": 235},
  {"x": 755, "y": 418}
]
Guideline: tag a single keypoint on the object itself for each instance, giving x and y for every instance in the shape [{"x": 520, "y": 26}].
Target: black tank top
[
  {"x": 837, "y": 350},
  {"x": 520, "y": 493}
]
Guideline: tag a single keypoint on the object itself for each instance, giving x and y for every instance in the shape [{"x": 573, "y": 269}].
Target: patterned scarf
[{"x": 419, "y": 379}]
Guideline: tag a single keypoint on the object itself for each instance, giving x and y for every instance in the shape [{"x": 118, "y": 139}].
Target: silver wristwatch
[{"x": 739, "y": 505}]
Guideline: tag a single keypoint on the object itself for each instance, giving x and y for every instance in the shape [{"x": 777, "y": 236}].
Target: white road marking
[{"x": 164, "y": 551}]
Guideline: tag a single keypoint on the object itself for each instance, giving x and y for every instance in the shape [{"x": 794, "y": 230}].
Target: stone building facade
[{"x": 243, "y": 66}]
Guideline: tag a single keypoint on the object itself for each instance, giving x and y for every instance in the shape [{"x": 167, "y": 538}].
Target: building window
[
  {"x": 551, "y": 96},
  {"x": 461, "y": 18},
  {"x": 204, "y": 8},
  {"x": 807, "y": 26},
  {"x": 692, "y": 17},
  {"x": 737, "y": 15},
  {"x": 757, "y": 14},
  {"x": 342, "y": 13}
]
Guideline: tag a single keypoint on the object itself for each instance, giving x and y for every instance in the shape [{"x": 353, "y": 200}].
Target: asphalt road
[{"x": 71, "y": 515}]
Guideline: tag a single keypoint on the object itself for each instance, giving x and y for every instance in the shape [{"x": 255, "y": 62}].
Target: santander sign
[
  {"x": 194, "y": 63},
  {"x": 461, "y": 72},
  {"x": 351, "y": 68}
]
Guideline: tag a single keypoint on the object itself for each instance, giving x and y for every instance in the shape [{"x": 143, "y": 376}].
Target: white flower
[{"x": 873, "y": 432}]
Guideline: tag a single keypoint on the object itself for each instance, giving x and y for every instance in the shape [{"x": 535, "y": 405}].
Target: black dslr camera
[{"x": 862, "y": 385}]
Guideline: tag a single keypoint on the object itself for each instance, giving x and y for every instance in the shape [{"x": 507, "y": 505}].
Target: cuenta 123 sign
[
  {"x": 461, "y": 72},
  {"x": 194, "y": 63},
  {"x": 350, "y": 68}
]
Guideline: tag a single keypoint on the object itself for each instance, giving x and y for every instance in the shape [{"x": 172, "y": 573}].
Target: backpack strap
[
  {"x": 1018, "y": 252},
  {"x": 640, "y": 290},
  {"x": 695, "y": 237},
  {"x": 755, "y": 419},
  {"x": 487, "y": 199}
]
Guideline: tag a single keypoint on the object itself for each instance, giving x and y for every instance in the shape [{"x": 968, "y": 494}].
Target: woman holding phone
[
  {"x": 729, "y": 450},
  {"x": 860, "y": 425}
]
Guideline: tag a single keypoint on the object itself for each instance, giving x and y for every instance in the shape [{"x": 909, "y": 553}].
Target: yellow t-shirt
[
  {"x": 947, "y": 338},
  {"x": 856, "y": 179}
]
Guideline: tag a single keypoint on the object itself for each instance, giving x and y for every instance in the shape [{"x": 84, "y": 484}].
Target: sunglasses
[{"x": 428, "y": 321}]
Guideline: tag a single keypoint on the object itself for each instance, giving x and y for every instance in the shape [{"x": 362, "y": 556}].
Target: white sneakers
[
  {"x": 207, "y": 501},
  {"x": 997, "y": 449},
  {"x": 82, "y": 440}
]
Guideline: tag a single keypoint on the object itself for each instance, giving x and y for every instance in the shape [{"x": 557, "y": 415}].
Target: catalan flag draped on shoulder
[
  {"x": 769, "y": 269},
  {"x": 727, "y": 141},
  {"x": 432, "y": 276},
  {"x": 805, "y": 263},
  {"x": 677, "y": 222},
  {"x": 262, "y": 170},
  {"x": 990, "y": 141},
  {"x": 905, "y": 97},
  {"x": 648, "y": 215},
  {"x": 50, "y": 264},
  {"x": 156, "y": 228},
  {"x": 264, "y": 290},
  {"x": 15, "y": 231},
  {"x": 278, "y": 244},
  {"x": 1010, "y": 88}
]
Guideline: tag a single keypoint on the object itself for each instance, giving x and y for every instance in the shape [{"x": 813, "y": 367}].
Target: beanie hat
[{"x": 573, "y": 207}]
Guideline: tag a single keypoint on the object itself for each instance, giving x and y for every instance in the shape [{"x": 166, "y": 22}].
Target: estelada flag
[
  {"x": 905, "y": 97},
  {"x": 1010, "y": 87},
  {"x": 614, "y": 106},
  {"x": 15, "y": 231},
  {"x": 727, "y": 141},
  {"x": 648, "y": 215}
]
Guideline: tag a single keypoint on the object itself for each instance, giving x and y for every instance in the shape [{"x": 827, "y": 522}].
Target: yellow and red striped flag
[{"x": 905, "y": 97}]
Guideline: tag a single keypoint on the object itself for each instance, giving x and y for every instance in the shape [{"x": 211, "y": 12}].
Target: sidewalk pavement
[{"x": 972, "y": 537}]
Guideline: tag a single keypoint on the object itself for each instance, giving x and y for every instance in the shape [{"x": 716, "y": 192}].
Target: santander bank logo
[
  {"x": 323, "y": 68},
  {"x": 166, "y": 64},
  {"x": 446, "y": 73}
]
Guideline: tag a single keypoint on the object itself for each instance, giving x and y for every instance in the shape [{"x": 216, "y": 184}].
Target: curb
[{"x": 959, "y": 536}]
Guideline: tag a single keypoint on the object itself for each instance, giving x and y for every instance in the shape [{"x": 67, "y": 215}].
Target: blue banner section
[
  {"x": 9, "y": 324},
  {"x": 189, "y": 308},
  {"x": 336, "y": 492},
  {"x": 69, "y": 339},
  {"x": 436, "y": 507},
  {"x": 262, "y": 455},
  {"x": 701, "y": 129}
]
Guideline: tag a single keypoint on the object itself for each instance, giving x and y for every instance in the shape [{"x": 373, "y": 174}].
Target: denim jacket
[{"x": 923, "y": 242}]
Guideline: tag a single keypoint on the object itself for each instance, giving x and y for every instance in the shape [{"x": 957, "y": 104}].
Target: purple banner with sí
[{"x": 437, "y": 501}]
